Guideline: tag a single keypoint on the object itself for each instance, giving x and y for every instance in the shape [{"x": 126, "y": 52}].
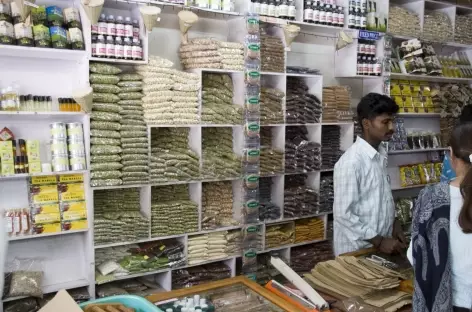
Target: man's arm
[{"x": 346, "y": 196}]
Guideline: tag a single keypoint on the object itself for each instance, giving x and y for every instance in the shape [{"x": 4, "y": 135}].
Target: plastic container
[{"x": 138, "y": 303}]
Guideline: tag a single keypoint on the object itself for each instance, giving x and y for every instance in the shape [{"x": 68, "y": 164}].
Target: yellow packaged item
[
  {"x": 71, "y": 192},
  {"x": 44, "y": 218},
  {"x": 73, "y": 206},
  {"x": 45, "y": 209},
  {"x": 46, "y": 228},
  {"x": 34, "y": 167},
  {"x": 42, "y": 194},
  {"x": 405, "y": 173},
  {"x": 424, "y": 174},
  {"x": 408, "y": 106},
  {"x": 74, "y": 225},
  {"x": 32, "y": 151},
  {"x": 416, "y": 178},
  {"x": 8, "y": 168},
  {"x": 418, "y": 105},
  {"x": 395, "y": 88},
  {"x": 74, "y": 215},
  {"x": 405, "y": 89},
  {"x": 71, "y": 178},
  {"x": 44, "y": 180}
]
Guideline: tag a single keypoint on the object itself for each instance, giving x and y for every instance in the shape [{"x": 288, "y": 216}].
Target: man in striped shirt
[{"x": 364, "y": 211}]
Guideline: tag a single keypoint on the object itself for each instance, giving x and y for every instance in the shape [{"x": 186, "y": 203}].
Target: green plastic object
[{"x": 138, "y": 303}]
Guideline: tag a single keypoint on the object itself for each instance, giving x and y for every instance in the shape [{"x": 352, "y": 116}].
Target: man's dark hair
[
  {"x": 466, "y": 114},
  {"x": 375, "y": 104}
]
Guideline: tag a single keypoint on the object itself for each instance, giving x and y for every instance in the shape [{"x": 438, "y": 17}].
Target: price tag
[{"x": 368, "y": 35}]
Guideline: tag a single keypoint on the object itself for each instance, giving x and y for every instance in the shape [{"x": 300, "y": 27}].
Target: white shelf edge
[
  {"x": 418, "y": 115},
  {"x": 426, "y": 150},
  {"x": 303, "y": 75},
  {"x": 41, "y": 53},
  {"x": 51, "y": 113},
  {"x": 25, "y": 237},
  {"x": 42, "y": 174},
  {"x": 117, "y": 61},
  {"x": 139, "y": 241}
]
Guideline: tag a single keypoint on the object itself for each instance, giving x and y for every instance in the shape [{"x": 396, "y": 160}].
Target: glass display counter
[{"x": 235, "y": 294}]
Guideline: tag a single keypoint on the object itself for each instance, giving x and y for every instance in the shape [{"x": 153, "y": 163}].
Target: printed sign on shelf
[{"x": 368, "y": 35}]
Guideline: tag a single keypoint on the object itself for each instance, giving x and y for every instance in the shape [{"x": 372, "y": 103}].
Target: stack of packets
[
  {"x": 279, "y": 235},
  {"x": 336, "y": 104},
  {"x": 309, "y": 230},
  {"x": 57, "y": 204},
  {"x": 413, "y": 96},
  {"x": 419, "y": 58},
  {"x": 419, "y": 174},
  {"x": 211, "y": 53},
  {"x": 330, "y": 146},
  {"x": 304, "y": 258},
  {"x": 272, "y": 53},
  {"x": 213, "y": 246}
]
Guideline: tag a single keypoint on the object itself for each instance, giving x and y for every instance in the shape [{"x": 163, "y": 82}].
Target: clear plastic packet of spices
[
  {"x": 249, "y": 261},
  {"x": 252, "y": 237},
  {"x": 252, "y": 105},
  {"x": 252, "y": 130},
  {"x": 252, "y": 23},
  {"x": 250, "y": 206},
  {"x": 253, "y": 47},
  {"x": 252, "y": 73}
]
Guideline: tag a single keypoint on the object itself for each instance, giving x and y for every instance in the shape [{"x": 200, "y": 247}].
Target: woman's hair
[{"x": 461, "y": 144}]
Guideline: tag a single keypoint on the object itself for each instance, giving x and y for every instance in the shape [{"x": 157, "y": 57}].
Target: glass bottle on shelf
[
  {"x": 119, "y": 48},
  {"x": 370, "y": 66},
  {"x": 127, "y": 49},
  {"x": 329, "y": 15},
  {"x": 308, "y": 12},
  {"x": 101, "y": 49},
  {"x": 110, "y": 47},
  {"x": 256, "y": 6},
  {"x": 316, "y": 12},
  {"x": 102, "y": 25},
  {"x": 136, "y": 50},
  {"x": 264, "y": 7},
  {"x": 277, "y": 8},
  {"x": 94, "y": 45},
  {"x": 111, "y": 26},
  {"x": 360, "y": 47},
  {"x": 357, "y": 16},
  {"x": 120, "y": 26},
  {"x": 271, "y": 8},
  {"x": 292, "y": 10},
  {"x": 135, "y": 29},
  {"x": 351, "y": 18},
  {"x": 283, "y": 9},
  {"x": 365, "y": 66},
  {"x": 128, "y": 27},
  {"x": 322, "y": 14},
  {"x": 335, "y": 16},
  {"x": 363, "y": 19},
  {"x": 341, "y": 16},
  {"x": 373, "y": 48}
]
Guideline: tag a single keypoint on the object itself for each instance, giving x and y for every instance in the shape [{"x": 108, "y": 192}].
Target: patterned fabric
[
  {"x": 448, "y": 173},
  {"x": 363, "y": 202},
  {"x": 430, "y": 241}
]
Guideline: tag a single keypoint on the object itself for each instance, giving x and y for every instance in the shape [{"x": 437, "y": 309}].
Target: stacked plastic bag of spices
[
  {"x": 267, "y": 209},
  {"x": 327, "y": 189},
  {"x": 301, "y": 106},
  {"x": 142, "y": 286},
  {"x": 330, "y": 146},
  {"x": 463, "y": 30},
  {"x": 279, "y": 235},
  {"x": 172, "y": 211},
  {"x": 200, "y": 274},
  {"x": 437, "y": 26},
  {"x": 211, "y": 53},
  {"x": 301, "y": 154},
  {"x": 172, "y": 159},
  {"x": 299, "y": 199},
  {"x": 118, "y": 217},
  {"x": 134, "y": 140},
  {"x": 403, "y": 22},
  {"x": 271, "y": 159},
  {"x": 309, "y": 230},
  {"x": 217, "y": 99},
  {"x": 170, "y": 96},
  {"x": 219, "y": 160},
  {"x": 271, "y": 106},
  {"x": 105, "y": 150},
  {"x": 217, "y": 205},
  {"x": 304, "y": 258},
  {"x": 272, "y": 53},
  {"x": 206, "y": 247}
]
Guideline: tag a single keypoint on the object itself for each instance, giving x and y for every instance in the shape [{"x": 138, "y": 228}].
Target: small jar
[{"x": 120, "y": 26}]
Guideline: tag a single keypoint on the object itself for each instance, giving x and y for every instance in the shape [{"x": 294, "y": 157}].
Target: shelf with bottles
[
  {"x": 323, "y": 13},
  {"x": 365, "y": 15},
  {"x": 119, "y": 36},
  {"x": 368, "y": 64},
  {"x": 50, "y": 25}
]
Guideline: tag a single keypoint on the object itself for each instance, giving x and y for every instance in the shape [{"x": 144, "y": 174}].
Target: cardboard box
[
  {"x": 34, "y": 166},
  {"x": 32, "y": 151},
  {"x": 71, "y": 192},
  {"x": 46, "y": 228},
  {"x": 43, "y": 194},
  {"x": 62, "y": 301},
  {"x": 45, "y": 209},
  {"x": 74, "y": 215},
  {"x": 73, "y": 206},
  {"x": 74, "y": 225}
]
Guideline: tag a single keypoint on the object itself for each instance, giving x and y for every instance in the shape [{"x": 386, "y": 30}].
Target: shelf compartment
[
  {"x": 26, "y": 175},
  {"x": 426, "y": 150},
  {"x": 25, "y": 237}
]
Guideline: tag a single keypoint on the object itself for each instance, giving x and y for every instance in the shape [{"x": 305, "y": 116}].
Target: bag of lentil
[
  {"x": 130, "y": 77},
  {"x": 105, "y": 88},
  {"x": 101, "y": 68},
  {"x": 106, "y": 79}
]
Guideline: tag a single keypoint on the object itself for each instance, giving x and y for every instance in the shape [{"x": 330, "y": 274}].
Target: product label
[
  {"x": 102, "y": 28},
  {"x": 271, "y": 10},
  {"x": 110, "y": 50},
  {"x": 335, "y": 18},
  {"x": 128, "y": 30},
  {"x": 101, "y": 49},
  {"x": 69, "y": 178},
  {"x": 119, "y": 51},
  {"x": 111, "y": 29},
  {"x": 253, "y": 101},
  {"x": 75, "y": 35},
  {"x": 253, "y": 21},
  {"x": 136, "y": 32},
  {"x": 46, "y": 218},
  {"x": 95, "y": 29},
  {"x": 44, "y": 194},
  {"x": 77, "y": 161},
  {"x": 44, "y": 180},
  {"x": 292, "y": 11},
  {"x": 252, "y": 229},
  {"x": 341, "y": 19},
  {"x": 120, "y": 29},
  {"x": 252, "y": 204},
  {"x": 45, "y": 209},
  {"x": 252, "y": 179},
  {"x": 250, "y": 254},
  {"x": 74, "y": 215},
  {"x": 73, "y": 206},
  {"x": 322, "y": 16},
  {"x": 308, "y": 15},
  {"x": 283, "y": 10},
  {"x": 329, "y": 17}
]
